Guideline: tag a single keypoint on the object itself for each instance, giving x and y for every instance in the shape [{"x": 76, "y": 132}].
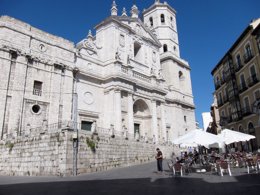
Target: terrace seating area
[{"x": 214, "y": 163}]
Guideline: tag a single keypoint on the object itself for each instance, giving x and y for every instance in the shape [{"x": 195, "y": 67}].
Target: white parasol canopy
[
  {"x": 197, "y": 137},
  {"x": 229, "y": 136}
]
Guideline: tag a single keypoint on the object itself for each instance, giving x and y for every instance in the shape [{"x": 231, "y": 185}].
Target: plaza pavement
[{"x": 137, "y": 180}]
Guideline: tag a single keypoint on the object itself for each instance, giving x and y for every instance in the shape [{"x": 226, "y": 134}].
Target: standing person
[{"x": 159, "y": 158}]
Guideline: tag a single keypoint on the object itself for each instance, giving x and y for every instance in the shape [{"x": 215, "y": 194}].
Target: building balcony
[
  {"x": 37, "y": 92},
  {"x": 224, "y": 120},
  {"x": 252, "y": 80},
  {"x": 220, "y": 103},
  {"x": 237, "y": 116},
  {"x": 233, "y": 94},
  {"x": 229, "y": 119},
  {"x": 238, "y": 66},
  {"x": 228, "y": 74},
  {"x": 246, "y": 111},
  {"x": 248, "y": 57},
  {"x": 222, "y": 81},
  {"x": 242, "y": 87},
  {"x": 217, "y": 85},
  {"x": 225, "y": 99}
]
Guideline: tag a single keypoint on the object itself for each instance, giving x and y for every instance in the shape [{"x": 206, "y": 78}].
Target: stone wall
[
  {"x": 44, "y": 154},
  {"x": 52, "y": 154}
]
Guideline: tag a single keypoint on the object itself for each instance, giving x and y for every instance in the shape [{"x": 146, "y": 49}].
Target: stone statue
[
  {"x": 93, "y": 127},
  {"x": 152, "y": 72},
  {"x": 160, "y": 75}
]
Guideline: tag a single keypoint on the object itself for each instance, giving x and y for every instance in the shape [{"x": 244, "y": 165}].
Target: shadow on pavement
[{"x": 244, "y": 184}]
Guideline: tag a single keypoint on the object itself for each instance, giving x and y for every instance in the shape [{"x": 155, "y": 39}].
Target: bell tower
[{"x": 161, "y": 19}]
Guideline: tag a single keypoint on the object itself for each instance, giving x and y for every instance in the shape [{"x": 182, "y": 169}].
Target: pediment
[
  {"x": 135, "y": 26},
  {"x": 139, "y": 29}
]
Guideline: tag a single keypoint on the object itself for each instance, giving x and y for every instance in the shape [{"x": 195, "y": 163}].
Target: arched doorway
[{"x": 142, "y": 120}]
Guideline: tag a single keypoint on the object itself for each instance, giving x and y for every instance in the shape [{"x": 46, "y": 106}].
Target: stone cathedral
[{"x": 127, "y": 79}]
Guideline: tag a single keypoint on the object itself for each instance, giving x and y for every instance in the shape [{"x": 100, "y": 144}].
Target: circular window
[
  {"x": 36, "y": 109},
  {"x": 42, "y": 47}
]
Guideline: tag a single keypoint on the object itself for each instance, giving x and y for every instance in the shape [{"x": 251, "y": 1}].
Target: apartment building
[{"x": 237, "y": 85}]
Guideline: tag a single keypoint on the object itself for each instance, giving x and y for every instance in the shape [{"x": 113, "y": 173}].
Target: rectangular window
[
  {"x": 238, "y": 60},
  {"x": 86, "y": 125},
  {"x": 37, "y": 88},
  {"x": 246, "y": 103},
  {"x": 248, "y": 50},
  {"x": 257, "y": 95},
  {"x": 252, "y": 71}
]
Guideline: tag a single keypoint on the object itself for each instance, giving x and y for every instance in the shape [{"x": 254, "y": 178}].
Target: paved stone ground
[{"x": 140, "y": 179}]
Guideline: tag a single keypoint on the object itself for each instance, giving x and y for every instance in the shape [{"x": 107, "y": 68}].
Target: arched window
[
  {"x": 240, "y": 128},
  {"x": 251, "y": 128},
  {"x": 162, "y": 18},
  {"x": 151, "y": 21},
  {"x": 181, "y": 77},
  {"x": 172, "y": 22},
  {"x": 165, "y": 48}
]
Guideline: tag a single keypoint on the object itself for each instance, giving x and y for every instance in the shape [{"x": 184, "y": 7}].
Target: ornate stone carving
[{"x": 88, "y": 98}]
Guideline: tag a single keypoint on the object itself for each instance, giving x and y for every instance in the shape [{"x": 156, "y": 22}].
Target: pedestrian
[{"x": 159, "y": 158}]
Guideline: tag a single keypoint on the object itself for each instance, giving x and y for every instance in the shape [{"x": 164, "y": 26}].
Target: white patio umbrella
[
  {"x": 197, "y": 137},
  {"x": 229, "y": 136}
]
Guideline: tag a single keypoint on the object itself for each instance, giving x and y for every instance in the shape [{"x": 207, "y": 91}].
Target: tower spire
[
  {"x": 114, "y": 9},
  {"x": 124, "y": 12}
]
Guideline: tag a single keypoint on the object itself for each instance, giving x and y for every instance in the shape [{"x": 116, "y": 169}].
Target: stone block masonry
[{"x": 52, "y": 154}]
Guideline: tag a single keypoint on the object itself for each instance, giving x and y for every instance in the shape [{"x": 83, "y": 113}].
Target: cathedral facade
[{"x": 128, "y": 78}]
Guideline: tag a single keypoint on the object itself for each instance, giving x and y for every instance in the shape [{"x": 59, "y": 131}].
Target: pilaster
[
  {"x": 130, "y": 114},
  {"x": 118, "y": 112},
  {"x": 154, "y": 121}
]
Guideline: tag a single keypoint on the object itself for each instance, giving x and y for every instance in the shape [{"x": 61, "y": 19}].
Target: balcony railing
[
  {"x": 246, "y": 111},
  {"x": 252, "y": 80},
  {"x": 233, "y": 94},
  {"x": 225, "y": 99},
  {"x": 242, "y": 87},
  {"x": 236, "y": 116},
  {"x": 248, "y": 57},
  {"x": 228, "y": 74},
  {"x": 217, "y": 85},
  {"x": 220, "y": 103},
  {"x": 224, "y": 120},
  {"x": 37, "y": 92},
  {"x": 238, "y": 66}
]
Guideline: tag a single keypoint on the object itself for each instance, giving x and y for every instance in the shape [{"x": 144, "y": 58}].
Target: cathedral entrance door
[{"x": 142, "y": 120}]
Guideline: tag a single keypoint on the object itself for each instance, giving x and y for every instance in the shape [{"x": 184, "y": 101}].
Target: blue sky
[{"x": 207, "y": 29}]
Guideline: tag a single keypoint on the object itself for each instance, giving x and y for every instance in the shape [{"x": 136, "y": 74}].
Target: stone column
[
  {"x": 163, "y": 126},
  {"x": 130, "y": 114},
  {"x": 154, "y": 121},
  {"x": 118, "y": 113}
]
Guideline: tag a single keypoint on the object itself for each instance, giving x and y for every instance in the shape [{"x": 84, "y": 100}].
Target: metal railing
[{"x": 37, "y": 92}]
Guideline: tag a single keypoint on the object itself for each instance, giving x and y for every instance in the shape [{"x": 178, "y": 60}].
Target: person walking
[{"x": 159, "y": 158}]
